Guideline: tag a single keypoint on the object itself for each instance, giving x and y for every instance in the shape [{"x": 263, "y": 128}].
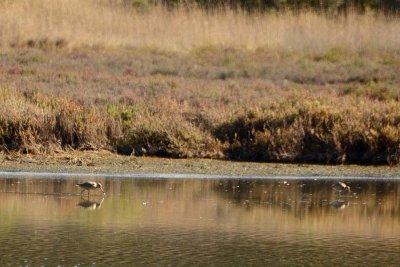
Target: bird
[
  {"x": 340, "y": 187},
  {"x": 89, "y": 185}
]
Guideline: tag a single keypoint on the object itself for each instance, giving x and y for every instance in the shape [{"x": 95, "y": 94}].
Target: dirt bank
[{"x": 105, "y": 162}]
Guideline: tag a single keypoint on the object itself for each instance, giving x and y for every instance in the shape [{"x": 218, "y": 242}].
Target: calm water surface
[{"x": 201, "y": 222}]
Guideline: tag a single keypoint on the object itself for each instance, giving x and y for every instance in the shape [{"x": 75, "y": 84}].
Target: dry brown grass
[
  {"x": 210, "y": 103},
  {"x": 101, "y": 23},
  {"x": 268, "y": 87}
]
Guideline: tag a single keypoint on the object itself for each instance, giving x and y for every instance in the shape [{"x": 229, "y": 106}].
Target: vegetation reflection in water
[{"x": 198, "y": 222}]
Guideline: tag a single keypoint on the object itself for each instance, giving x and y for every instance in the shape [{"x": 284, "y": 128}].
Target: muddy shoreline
[{"x": 106, "y": 162}]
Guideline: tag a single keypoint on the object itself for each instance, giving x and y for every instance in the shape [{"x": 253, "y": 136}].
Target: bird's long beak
[{"x": 104, "y": 193}]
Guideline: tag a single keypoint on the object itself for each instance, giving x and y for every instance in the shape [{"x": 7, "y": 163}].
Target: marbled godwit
[{"x": 89, "y": 185}]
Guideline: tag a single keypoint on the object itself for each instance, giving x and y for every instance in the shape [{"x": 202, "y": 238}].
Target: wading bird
[
  {"x": 341, "y": 187},
  {"x": 90, "y": 186}
]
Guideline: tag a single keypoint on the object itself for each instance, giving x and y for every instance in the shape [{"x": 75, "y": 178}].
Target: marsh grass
[
  {"x": 58, "y": 23},
  {"x": 345, "y": 129},
  {"x": 277, "y": 87},
  {"x": 308, "y": 131}
]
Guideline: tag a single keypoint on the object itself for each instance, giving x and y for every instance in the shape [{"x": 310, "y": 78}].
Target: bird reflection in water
[
  {"x": 339, "y": 204},
  {"x": 90, "y": 205},
  {"x": 339, "y": 188}
]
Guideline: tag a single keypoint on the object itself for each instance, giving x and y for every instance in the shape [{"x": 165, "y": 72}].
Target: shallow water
[{"x": 215, "y": 222}]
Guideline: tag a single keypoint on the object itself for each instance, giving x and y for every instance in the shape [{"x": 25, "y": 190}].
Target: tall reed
[{"x": 99, "y": 23}]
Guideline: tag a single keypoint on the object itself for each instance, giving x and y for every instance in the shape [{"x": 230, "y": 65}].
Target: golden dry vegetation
[
  {"x": 110, "y": 23},
  {"x": 279, "y": 87}
]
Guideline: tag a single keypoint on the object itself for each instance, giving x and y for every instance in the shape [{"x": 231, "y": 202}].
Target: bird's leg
[{"x": 82, "y": 191}]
